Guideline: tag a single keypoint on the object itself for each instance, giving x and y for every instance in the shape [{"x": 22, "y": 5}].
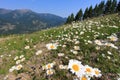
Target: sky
[{"x": 61, "y": 8}]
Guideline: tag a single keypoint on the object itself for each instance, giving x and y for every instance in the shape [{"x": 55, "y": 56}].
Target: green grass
[{"x": 14, "y": 45}]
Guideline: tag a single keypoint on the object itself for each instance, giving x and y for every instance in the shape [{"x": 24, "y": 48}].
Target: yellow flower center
[
  {"x": 88, "y": 70},
  {"x": 49, "y": 66},
  {"x": 84, "y": 78},
  {"x": 75, "y": 67},
  {"x": 19, "y": 67},
  {"x": 113, "y": 38},
  {"x": 97, "y": 72},
  {"x": 49, "y": 72},
  {"x": 51, "y": 46}
]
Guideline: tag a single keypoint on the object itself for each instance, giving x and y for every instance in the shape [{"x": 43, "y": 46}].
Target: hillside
[
  {"x": 26, "y": 21},
  {"x": 77, "y": 51}
]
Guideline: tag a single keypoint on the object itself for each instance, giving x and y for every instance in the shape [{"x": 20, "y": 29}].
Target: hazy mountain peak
[
  {"x": 4, "y": 11},
  {"x": 22, "y": 10}
]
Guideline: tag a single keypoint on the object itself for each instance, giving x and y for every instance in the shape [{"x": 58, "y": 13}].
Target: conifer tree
[
  {"x": 118, "y": 7},
  {"x": 79, "y": 15},
  {"x": 114, "y": 5},
  {"x": 108, "y": 7},
  {"x": 90, "y": 12},
  {"x": 95, "y": 11},
  {"x": 70, "y": 18},
  {"x": 101, "y": 8},
  {"x": 85, "y": 13}
]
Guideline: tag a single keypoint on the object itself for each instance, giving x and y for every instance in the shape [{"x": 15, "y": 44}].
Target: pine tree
[
  {"x": 95, "y": 13},
  {"x": 101, "y": 8},
  {"x": 79, "y": 15},
  {"x": 114, "y": 5},
  {"x": 118, "y": 7},
  {"x": 108, "y": 7},
  {"x": 70, "y": 18},
  {"x": 85, "y": 14},
  {"x": 90, "y": 12}
]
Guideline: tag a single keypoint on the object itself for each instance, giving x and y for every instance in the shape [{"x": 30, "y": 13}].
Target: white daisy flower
[
  {"x": 51, "y": 46},
  {"x": 38, "y": 52},
  {"x": 1, "y": 56},
  {"x": 49, "y": 65},
  {"x": 27, "y": 47},
  {"x": 108, "y": 57},
  {"x": 75, "y": 66},
  {"x": 118, "y": 79},
  {"x": 12, "y": 69},
  {"x": 98, "y": 42},
  {"x": 21, "y": 56},
  {"x": 76, "y": 48},
  {"x": 63, "y": 46},
  {"x": 111, "y": 45},
  {"x": 89, "y": 41},
  {"x": 81, "y": 33},
  {"x": 97, "y": 48},
  {"x": 63, "y": 66},
  {"x": 109, "y": 52},
  {"x": 84, "y": 78},
  {"x": 61, "y": 54},
  {"x": 18, "y": 61},
  {"x": 75, "y": 52},
  {"x": 19, "y": 67},
  {"x": 6, "y": 77},
  {"x": 97, "y": 72},
  {"x": 23, "y": 59},
  {"x": 9, "y": 55},
  {"x": 16, "y": 58},
  {"x": 77, "y": 42},
  {"x": 113, "y": 38},
  {"x": 89, "y": 71},
  {"x": 50, "y": 72}
]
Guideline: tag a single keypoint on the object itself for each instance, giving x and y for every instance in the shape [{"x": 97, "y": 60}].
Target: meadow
[{"x": 85, "y": 50}]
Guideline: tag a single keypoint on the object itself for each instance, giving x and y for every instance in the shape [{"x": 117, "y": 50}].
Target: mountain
[{"x": 25, "y": 21}]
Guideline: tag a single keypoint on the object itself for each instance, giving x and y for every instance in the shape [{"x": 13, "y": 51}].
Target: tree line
[{"x": 110, "y": 7}]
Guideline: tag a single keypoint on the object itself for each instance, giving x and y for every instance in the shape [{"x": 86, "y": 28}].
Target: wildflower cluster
[
  {"x": 106, "y": 43},
  {"x": 83, "y": 72},
  {"x": 18, "y": 66},
  {"x": 49, "y": 68},
  {"x": 92, "y": 42}
]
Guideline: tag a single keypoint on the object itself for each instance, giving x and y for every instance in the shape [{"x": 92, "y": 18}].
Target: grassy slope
[{"x": 103, "y": 27}]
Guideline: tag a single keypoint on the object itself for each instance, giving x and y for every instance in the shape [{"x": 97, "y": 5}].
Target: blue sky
[{"x": 62, "y": 8}]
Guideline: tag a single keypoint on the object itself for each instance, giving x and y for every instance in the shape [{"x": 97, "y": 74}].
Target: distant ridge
[{"x": 25, "y": 21}]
